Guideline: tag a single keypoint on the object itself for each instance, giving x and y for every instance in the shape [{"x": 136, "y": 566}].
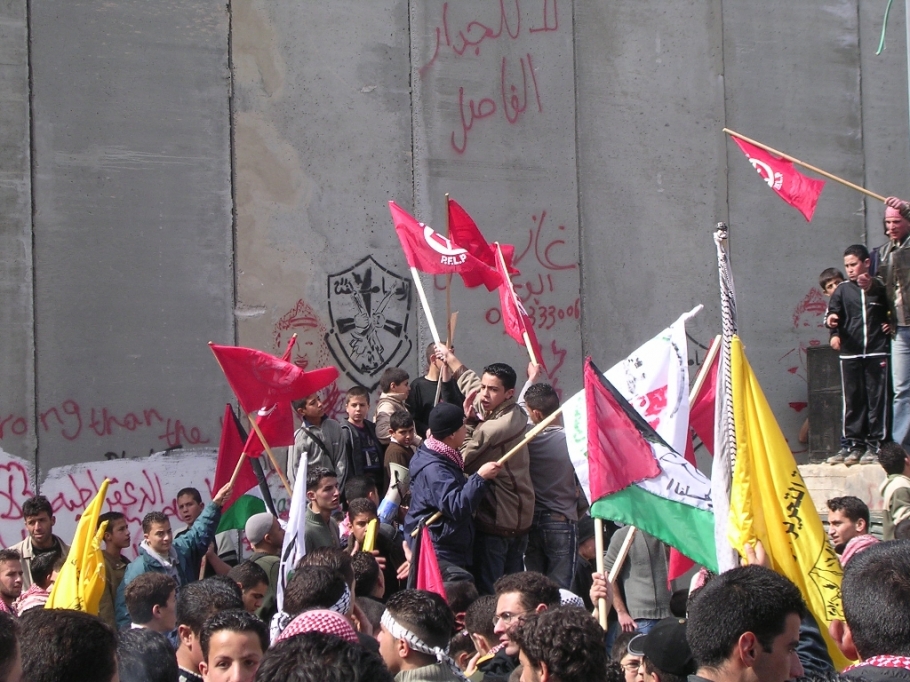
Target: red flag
[
  {"x": 429, "y": 577},
  {"x": 701, "y": 411},
  {"x": 464, "y": 232},
  {"x": 514, "y": 316},
  {"x": 434, "y": 254},
  {"x": 796, "y": 189},
  {"x": 701, "y": 421},
  {"x": 229, "y": 451},
  {"x": 259, "y": 379},
  {"x": 277, "y": 426},
  {"x": 618, "y": 454}
]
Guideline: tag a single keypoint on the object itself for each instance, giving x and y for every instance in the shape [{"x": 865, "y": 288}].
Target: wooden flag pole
[
  {"x": 268, "y": 450},
  {"x": 603, "y": 609},
  {"x": 702, "y": 375},
  {"x": 448, "y": 307},
  {"x": 236, "y": 473},
  {"x": 621, "y": 557},
  {"x": 422, "y": 295},
  {"x": 505, "y": 270},
  {"x": 529, "y": 436},
  {"x": 814, "y": 169}
]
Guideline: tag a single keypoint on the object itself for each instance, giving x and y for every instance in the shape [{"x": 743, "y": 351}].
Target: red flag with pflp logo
[
  {"x": 464, "y": 232},
  {"x": 515, "y": 318},
  {"x": 796, "y": 189},
  {"x": 432, "y": 253}
]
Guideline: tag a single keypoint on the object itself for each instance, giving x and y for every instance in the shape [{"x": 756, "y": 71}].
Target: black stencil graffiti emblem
[{"x": 369, "y": 310}]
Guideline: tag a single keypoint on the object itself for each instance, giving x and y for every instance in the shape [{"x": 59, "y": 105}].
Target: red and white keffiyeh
[{"x": 320, "y": 620}]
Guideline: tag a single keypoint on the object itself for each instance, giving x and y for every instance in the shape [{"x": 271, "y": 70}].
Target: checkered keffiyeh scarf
[
  {"x": 446, "y": 451},
  {"x": 883, "y": 661},
  {"x": 320, "y": 620}
]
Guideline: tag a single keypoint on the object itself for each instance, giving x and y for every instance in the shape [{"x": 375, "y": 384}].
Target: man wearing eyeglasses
[{"x": 517, "y": 596}]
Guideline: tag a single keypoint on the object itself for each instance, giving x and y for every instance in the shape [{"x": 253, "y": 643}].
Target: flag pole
[
  {"x": 237, "y": 469},
  {"x": 702, "y": 375},
  {"x": 448, "y": 307},
  {"x": 602, "y": 608},
  {"x": 528, "y": 346},
  {"x": 268, "y": 450},
  {"x": 814, "y": 169},
  {"x": 529, "y": 436},
  {"x": 621, "y": 557},
  {"x": 422, "y": 295}
]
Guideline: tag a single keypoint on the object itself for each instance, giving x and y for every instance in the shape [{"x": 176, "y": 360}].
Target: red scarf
[
  {"x": 883, "y": 661},
  {"x": 446, "y": 451}
]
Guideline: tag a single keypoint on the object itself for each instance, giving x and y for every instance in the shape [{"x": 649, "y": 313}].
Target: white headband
[{"x": 398, "y": 631}]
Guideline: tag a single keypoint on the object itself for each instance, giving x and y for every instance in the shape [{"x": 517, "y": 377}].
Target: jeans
[
  {"x": 900, "y": 376},
  {"x": 552, "y": 546},
  {"x": 495, "y": 557}
]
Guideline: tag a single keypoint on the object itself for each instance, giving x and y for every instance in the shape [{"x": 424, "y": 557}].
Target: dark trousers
[
  {"x": 552, "y": 547},
  {"x": 494, "y": 557},
  {"x": 865, "y": 386}
]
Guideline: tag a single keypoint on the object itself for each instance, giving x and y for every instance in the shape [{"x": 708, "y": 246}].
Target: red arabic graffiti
[
  {"x": 511, "y": 104},
  {"x": 15, "y": 488},
  {"x": 475, "y": 32}
]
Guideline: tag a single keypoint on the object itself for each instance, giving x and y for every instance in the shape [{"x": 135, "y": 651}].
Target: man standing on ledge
[
  {"x": 894, "y": 270},
  {"x": 496, "y": 423}
]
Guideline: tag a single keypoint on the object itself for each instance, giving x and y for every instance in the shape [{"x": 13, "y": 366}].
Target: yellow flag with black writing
[
  {"x": 769, "y": 502},
  {"x": 80, "y": 583}
]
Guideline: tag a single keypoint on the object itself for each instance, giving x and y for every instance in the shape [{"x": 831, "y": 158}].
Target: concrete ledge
[{"x": 825, "y": 481}]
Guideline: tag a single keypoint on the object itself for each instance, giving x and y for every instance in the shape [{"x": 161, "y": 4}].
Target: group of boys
[{"x": 869, "y": 318}]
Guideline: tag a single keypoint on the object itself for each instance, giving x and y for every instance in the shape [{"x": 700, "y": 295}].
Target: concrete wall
[{"x": 182, "y": 171}]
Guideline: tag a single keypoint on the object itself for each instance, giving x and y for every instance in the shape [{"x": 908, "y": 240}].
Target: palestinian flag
[
  {"x": 633, "y": 476},
  {"x": 247, "y": 497}
]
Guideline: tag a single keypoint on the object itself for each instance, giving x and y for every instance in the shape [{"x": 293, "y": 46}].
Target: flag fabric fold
[
  {"x": 701, "y": 409},
  {"x": 463, "y": 231},
  {"x": 434, "y": 254},
  {"x": 770, "y": 502},
  {"x": 425, "y": 573},
  {"x": 294, "y": 548},
  {"x": 80, "y": 583},
  {"x": 245, "y": 498},
  {"x": 259, "y": 379},
  {"x": 796, "y": 189},
  {"x": 515, "y": 318},
  {"x": 623, "y": 454}
]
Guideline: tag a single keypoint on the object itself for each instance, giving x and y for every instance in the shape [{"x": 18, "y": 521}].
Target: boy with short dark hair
[
  {"x": 829, "y": 279},
  {"x": 319, "y": 440},
  {"x": 44, "y": 572},
  {"x": 321, "y": 530},
  {"x": 116, "y": 540},
  {"x": 402, "y": 441},
  {"x": 360, "y": 513},
  {"x": 395, "y": 386},
  {"x": 858, "y": 319},
  {"x": 363, "y": 451},
  {"x": 151, "y": 600},
  {"x": 233, "y": 643},
  {"x": 253, "y": 582}
]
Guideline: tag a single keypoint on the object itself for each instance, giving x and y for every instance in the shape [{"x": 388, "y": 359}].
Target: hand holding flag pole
[{"x": 529, "y": 436}]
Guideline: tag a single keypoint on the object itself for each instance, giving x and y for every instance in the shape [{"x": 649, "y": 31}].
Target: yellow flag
[
  {"x": 769, "y": 502},
  {"x": 81, "y": 581}
]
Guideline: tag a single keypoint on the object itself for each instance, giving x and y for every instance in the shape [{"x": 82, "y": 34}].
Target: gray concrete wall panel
[
  {"x": 792, "y": 73},
  {"x": 323, "y": 138},
  {"x": 17, "y": 357},
  {"x": 886, "y": 127},
  {"x": 494, "y": 126},
  {"x": 133, "y": 225},
  {"x": 650, "y": 106}
]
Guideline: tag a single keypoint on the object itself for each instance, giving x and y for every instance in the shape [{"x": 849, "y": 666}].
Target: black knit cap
[
  {"x": 445, "y": 419},
  {"x": 666, "y": 647}
]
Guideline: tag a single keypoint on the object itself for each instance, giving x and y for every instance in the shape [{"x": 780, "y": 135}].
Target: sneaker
[
  {"x": 854, "y": 457},
  {"x": 839, "y": 457},
  {"x": 869, "y": 458}
]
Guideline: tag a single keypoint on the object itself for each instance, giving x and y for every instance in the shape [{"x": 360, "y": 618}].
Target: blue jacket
[
  {"x": 191, "y": 546},
  {"x": 437, "y": 484}
]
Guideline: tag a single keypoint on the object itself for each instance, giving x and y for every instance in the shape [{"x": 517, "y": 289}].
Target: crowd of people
[{"x": 513, "y": 539}]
